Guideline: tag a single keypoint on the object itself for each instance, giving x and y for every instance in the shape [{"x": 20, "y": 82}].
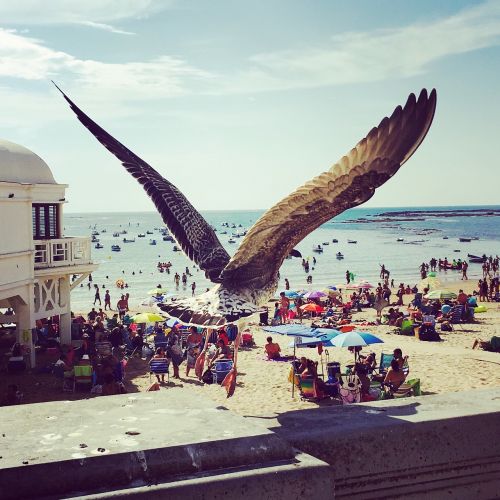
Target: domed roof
[{"x": 19, "y": 164}]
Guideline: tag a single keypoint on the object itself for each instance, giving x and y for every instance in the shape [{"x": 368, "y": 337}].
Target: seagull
[{"x": 246, "y": 281}]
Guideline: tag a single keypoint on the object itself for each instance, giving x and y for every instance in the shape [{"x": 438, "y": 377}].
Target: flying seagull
[{"x": 245, "y": 282}]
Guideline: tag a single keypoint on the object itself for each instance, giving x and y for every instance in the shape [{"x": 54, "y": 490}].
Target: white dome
[{"x": 18, "y": 164}]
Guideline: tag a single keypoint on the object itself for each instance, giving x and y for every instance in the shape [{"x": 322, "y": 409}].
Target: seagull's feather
[
  {"x": 348, "y": 183},
  {"x": 193, "y": 234}
]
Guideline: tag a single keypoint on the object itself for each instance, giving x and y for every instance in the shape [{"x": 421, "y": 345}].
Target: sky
[{"x": 239, "y": 103}]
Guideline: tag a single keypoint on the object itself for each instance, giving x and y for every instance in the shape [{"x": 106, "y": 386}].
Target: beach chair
[
  {"x": 407, "y": 327},
  {"x": 306, "y": 388},
  {"x": 407, "y": 389},
  {"x": 159, "y": 367},
  {"x": 385, "y": 363},
  {"x": 456, "y": 315},
  {"x": 103, "y": 348},
  {"x": 83, "y": 376},
  {"x": 220, "y": 369}
]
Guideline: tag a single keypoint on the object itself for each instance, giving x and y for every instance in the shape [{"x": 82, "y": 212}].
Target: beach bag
[{"x": 207, "y": 377}]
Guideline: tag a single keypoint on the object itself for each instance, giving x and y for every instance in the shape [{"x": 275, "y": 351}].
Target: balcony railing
[{"x": 62, "y": 252}]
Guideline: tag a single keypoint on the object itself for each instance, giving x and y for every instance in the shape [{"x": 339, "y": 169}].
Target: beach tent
[
  {"x": 316, "y": 294},
  {"x": 146, "y": 317},
  {"x": 441, "y": 294}
]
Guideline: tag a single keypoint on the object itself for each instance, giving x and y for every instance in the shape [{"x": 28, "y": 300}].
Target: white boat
[
  {"x": 352, "y": 241},
  {"x": 141, "y": 235},
  {"x": 325, "y": 243},
  {"x": 98, "y": 246},
  {"x": 115, "y": 248},
  {"x": 152, "y": 242},
  {"x": 400, "y": 239},
  {"x": 318, "y": 249},
  {"x": 116, "y": 235},
  {"x": 128, "y": 241},
  {"x": 231, "y": 240},
  {"x": 339, "y": 255}
]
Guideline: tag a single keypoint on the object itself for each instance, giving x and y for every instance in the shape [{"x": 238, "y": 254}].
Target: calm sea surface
[{"x": 376, "y": 244}]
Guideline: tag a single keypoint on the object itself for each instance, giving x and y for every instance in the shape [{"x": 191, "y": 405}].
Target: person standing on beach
[
  {"x": 464, "y": 270},
  {"x": 177, "y": 279},
  {"x": 107, "y": 300},
  {"x": 287, "y": 284},
  {"x": 193, "y": 288},
  {"x": 382, "y": 270},
  {"x": 284, "y": 306},
  {"x": 97, "y": 296},
  {"x": 348, "y": 276}
]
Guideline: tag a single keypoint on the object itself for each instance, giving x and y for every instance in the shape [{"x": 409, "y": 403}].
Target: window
[{"x": 45, "y": 221}]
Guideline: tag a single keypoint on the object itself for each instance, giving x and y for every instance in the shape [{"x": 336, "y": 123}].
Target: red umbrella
[{"x": 312, "y": 308}]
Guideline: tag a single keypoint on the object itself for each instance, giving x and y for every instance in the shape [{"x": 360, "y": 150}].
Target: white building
[{"x": 36, "y": 259}]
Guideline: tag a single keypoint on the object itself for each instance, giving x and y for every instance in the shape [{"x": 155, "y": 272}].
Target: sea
[{"x": 376, "y": 243}]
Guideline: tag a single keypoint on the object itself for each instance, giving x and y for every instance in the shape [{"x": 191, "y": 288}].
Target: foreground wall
[{"x": 441, "y": 446}]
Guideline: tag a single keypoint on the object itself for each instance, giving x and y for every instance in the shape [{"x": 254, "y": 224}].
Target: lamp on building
[{"x": 11, "y": 195}]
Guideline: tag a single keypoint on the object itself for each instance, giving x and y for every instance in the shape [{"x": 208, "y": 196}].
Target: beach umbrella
[
  {"x": 324, "y": 340},
  {"x": 291, "y": 330},
  {"x": 171, "y": 322},
  {"x": 441, "y": 294},
  {"x": 316, "y": 294},
  {"x": 147, "y": 317},
  {"x": 291, "y": 294},
  {"x": 355, "y": 339},
  {"x": 365, "y": 285},
  {"x": 156, "y": 291},
  {"x": 311, "y": 308}
]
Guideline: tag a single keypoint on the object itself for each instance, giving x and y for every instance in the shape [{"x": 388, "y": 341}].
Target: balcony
[{"x": 62, "y": 252}]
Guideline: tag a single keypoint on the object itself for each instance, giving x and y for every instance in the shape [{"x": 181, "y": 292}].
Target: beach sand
[{"x": 263, "y": 389}]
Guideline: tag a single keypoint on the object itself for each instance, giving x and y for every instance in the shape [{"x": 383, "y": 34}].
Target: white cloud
[
  {"x": 373, "y": 55},
  {"x": 29, "y": 59},
  {"x": 73, "y": 11},
  {"x": 105, "y": 27}
]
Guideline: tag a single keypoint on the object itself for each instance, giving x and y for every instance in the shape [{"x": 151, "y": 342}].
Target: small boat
[
  {"x": 223, "y": 232},
  {"x": 476, "y": 259},
  {"x": 400, "y": 239},
  {"x": 128, "y": 241},
  {"x": 352, "y": 241},
  {"x": 318, "y": 249},
  {"x": 335, "y": 240},
  {"x": 231, "y": 240},
  {"x": 445, "y": 237},
  {"x": 95, "y": 240},
  {"x": 169, "y": 238},
  {"x": 95, "y": 233},
  {"x": 98, "y": 246},
  {"x": 141, "y": 235},
  {"x": 103, "y": 230},
  {"x": 325, "y": 243},
  {"x": 465, "y": 240},
  {"x": 152, "y": 242},
  {"x": 116, "y": 235},
  {"x": 149, "y": 232},
  {"x": 175, "y": 248},
  {"x": 456, "y": 250},
  {"x": 123, "y": 232},
  {"x": 115, "y": 248},
  {"x": 339, "y": 255}
]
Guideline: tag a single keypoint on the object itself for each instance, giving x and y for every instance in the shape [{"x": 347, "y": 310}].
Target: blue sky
[{"x": 238, "y": 103}]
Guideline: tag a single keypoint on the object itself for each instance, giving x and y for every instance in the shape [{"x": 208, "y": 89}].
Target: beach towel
[{"x": 280, "y": 359}]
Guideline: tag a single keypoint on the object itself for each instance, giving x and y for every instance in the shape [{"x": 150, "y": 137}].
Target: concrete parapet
[
  {"x": 441, "y": 446},
  {"x": 133, "y": 445}
]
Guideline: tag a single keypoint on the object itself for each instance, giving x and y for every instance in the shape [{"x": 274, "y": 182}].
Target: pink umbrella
[{"x": 316, "y": 294}]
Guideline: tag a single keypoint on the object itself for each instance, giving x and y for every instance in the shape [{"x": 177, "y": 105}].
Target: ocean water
[{"x": 376, "y": 244}]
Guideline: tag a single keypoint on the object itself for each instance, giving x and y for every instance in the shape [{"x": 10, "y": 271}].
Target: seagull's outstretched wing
[
  {"x": 348, "y": 183},
  {"x": 191, "y": 231}
]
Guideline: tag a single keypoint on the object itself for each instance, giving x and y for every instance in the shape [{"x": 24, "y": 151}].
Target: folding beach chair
[
  {"x": 220, "y": 369},
  {"x": 407, "y": 389},
  {"x": 82, "y": 376},
  {"x": 306, "y": 388},
  {"x": 385, "y": 363},
  {"x": 159, "y": 367},
  {"x": 456, "y": 315}
]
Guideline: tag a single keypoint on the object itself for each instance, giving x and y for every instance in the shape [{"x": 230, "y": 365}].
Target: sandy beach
[{"x": 263, "y": 389}]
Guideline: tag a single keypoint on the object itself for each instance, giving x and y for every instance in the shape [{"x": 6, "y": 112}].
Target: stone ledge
[
  {"x": 114, "y": 442},
  {"x": 426, "y": 447}
]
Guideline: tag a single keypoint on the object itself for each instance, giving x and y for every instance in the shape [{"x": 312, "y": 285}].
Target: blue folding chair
[
  {"x": 220, "y": 369},
  {"x": 159, "y": 366}
]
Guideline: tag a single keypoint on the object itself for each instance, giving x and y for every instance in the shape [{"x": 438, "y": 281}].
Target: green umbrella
[
  {"x": 441, "y": 294},
  {"x": 156, "y": 291},
  {"x": 147, "y": 317}
]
